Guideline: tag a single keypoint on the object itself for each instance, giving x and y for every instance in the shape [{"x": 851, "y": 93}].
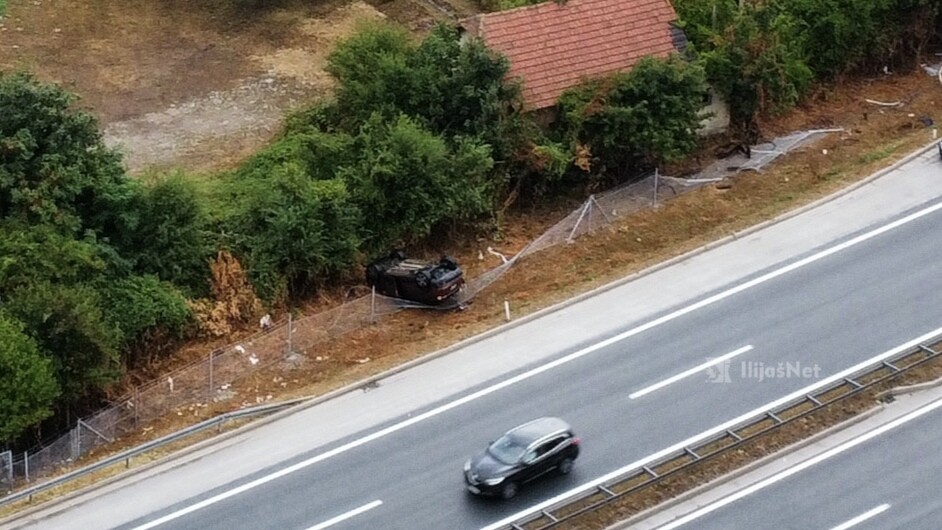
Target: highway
[
  {"x": 885, "y": 477},
  {"x": 824, "y": 290}
]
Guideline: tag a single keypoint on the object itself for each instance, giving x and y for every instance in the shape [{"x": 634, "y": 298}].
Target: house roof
[{"x": 553, "y": 46}]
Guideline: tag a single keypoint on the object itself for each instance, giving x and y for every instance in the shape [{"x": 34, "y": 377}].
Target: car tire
[
  {"x": 421, "y": 279},
  {"x": 565, "y": 466},
  {"x": 509, "y": 490}
]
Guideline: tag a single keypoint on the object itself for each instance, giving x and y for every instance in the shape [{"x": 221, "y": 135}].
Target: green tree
[
  {"x": 407, "y": 181},
  {"x": 373, "y": 74},
  {"x": 149, "y": 314},
  {"x": 451, "y": 88},
  {"x": 27, "y": 384},
  {"x": 41, "y": 253},
  {"x": 757, "y": 61},
  {"x": 70, "y": 328},
  {"x": 54, "y": 166},
  {"x": 170, "y": 238},
  {"x": 294, "y": 231},
  {"x": 648, "y": 115}
]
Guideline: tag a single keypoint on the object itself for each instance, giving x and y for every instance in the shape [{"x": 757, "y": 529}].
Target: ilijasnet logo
[{"x": 759, "y": 371}]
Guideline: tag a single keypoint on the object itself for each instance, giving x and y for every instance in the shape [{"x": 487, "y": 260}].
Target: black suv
[
  {"x": 416, "y": 280},
  {"x": 523, "y": 454}
]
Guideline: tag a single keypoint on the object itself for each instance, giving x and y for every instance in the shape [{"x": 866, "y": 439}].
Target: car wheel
[
  {"x": 509, "y": 490},
  {"x": 565, "y": 466},
  {"x": 421, "y": 279}
]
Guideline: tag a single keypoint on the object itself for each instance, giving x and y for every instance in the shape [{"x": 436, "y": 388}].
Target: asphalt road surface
[
  {"x": 883, "y": 481},
  {"x": 817, "y": 293}
]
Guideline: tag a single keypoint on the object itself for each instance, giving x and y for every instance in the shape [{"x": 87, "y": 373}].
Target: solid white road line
[
  {"x": 834, "y": 451},
  {"x": 543, "y": 368},
  {"x": 690, "y": 372},
  {"x": 343, "y": 517},
  {"x": 503, "y": 523},
  {"x": 862, "y": 517}
]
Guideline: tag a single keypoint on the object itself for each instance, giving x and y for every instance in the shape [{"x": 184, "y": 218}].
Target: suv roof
[{"x": 539, "y": 428}]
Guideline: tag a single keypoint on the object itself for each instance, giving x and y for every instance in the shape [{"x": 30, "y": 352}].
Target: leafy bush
[
  {"x": 54, "y": 166},
  {"x": 407, "y": 181},
  {"x": 647, "y": 115},
  {"x": 763, "y": 56},
  {"x": 27, "y": 384},
  {"x": 30, "y": 254},
  {"x": 170, "y": 238},
  {"x": 68, "y": 325},
  {"x": 450, "y": 88},
  {"x": 753, "y": 54},
  {"x": 149, "y": 314},
  {"x": 293, "y": 230}
]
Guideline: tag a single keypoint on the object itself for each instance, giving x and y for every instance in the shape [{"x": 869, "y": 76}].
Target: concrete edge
[
  {"x": 316, "y": 400},
  {"x": 752, "y": 466},
  {"x": 910, "y": 389}
]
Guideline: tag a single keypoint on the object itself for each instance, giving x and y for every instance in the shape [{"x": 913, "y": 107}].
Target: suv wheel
[
  {"x": 421, "y": 279},
  {"x": 565, "y": 466},
  {"x": 509, "y": 490}
]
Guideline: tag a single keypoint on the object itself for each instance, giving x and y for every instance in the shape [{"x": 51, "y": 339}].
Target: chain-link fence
[
  {"x": 210, "y": 379},
  {"x": 6, "y": 472}
]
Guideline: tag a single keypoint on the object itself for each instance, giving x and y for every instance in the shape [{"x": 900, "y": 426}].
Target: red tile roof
[{"x": 553, "y": 46}]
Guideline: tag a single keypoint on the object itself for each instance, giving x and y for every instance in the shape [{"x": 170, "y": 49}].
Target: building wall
[{"x": 716, "y": 113}]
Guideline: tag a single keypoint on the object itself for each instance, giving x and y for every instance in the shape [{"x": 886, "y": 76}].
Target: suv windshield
[{"x": 507, "y": 450}]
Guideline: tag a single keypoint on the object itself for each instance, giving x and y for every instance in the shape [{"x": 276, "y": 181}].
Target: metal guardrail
[
  {"x": 709, "y": 447},
  {"x": 126, "y": 456}
]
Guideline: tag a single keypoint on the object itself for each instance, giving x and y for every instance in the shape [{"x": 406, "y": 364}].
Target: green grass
[
  {"x": 3, "y": 7},
  {"x": 879, "y": 154}
]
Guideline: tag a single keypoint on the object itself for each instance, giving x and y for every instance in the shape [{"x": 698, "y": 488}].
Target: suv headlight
[{"x": 494, "y": 481}]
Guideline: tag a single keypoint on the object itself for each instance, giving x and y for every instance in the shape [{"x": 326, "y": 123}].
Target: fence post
[
  {"x": 289, "y": 333},
  {"x": 655, "y": 186},
  {"x": 6, "y": 458},
  {"x": 373, "y": 306},
  {"x": 77, "y": 441},
  {"x": 585, "y": 210},
  {"x": 26, "y": 464}
]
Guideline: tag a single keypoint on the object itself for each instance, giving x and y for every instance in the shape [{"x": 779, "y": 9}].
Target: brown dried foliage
[{"x": 233, "y": 303}]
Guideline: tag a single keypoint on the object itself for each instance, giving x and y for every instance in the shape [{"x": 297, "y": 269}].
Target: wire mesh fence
[
  {"x": 6, "y": 471},
  {"x": 210, "y": 378}
]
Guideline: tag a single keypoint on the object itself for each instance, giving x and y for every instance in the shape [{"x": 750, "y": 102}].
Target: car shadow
[{"x": 485, "y": 510}]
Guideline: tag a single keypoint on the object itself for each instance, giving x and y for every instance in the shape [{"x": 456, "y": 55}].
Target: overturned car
[{"x": 416, "y": 280}]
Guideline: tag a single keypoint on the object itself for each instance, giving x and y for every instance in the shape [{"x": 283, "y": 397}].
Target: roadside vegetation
[{"x": 422, "y": 140}]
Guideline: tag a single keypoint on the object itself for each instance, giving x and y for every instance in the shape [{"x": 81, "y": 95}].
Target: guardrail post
[{"x": 26, "y": 465}]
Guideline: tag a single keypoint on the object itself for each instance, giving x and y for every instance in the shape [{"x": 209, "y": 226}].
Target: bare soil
[
  {"x": 177, "y": 83},
  {"x": 200, "y": 85}
]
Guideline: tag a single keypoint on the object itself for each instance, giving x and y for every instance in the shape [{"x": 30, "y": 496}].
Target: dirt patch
[{"x": 196, "y": 85}]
